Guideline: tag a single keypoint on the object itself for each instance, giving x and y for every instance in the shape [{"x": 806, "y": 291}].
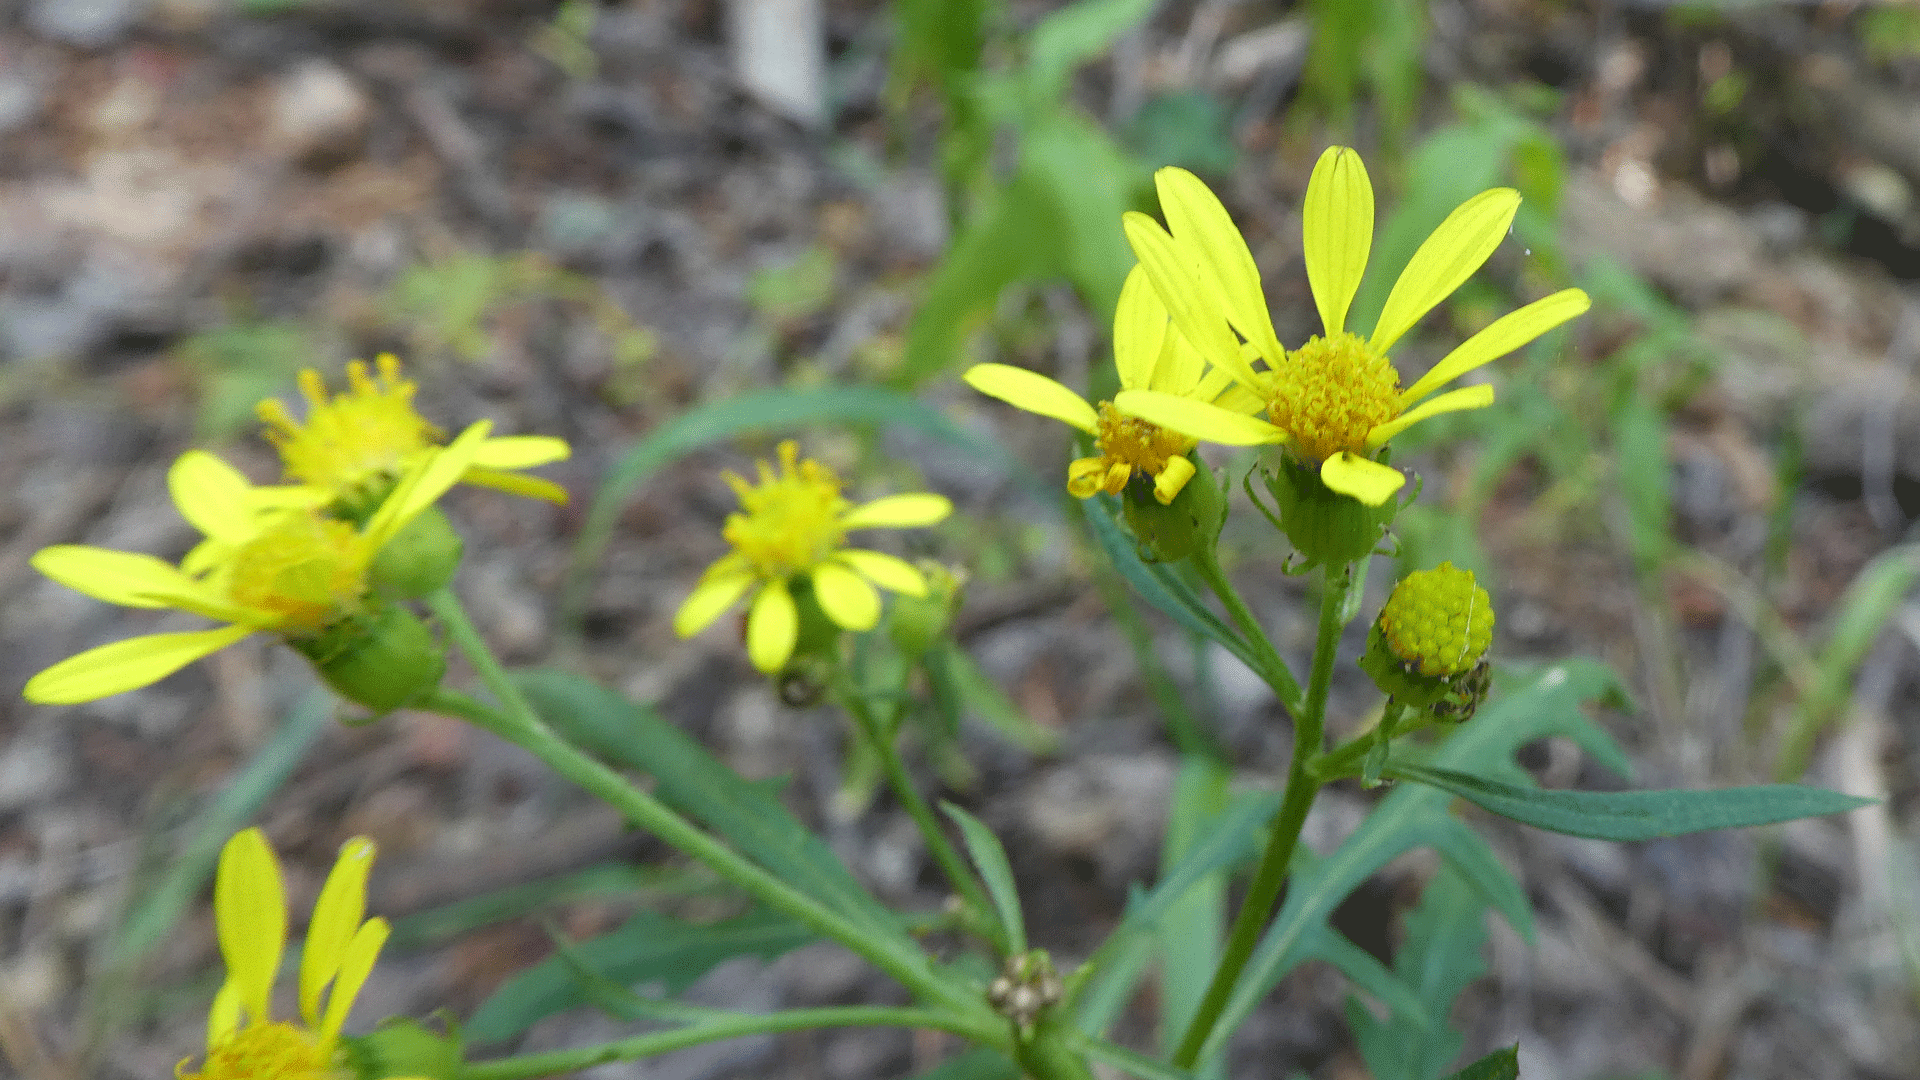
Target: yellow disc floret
[
  {"x": 789, "y": 522},
  {"x": 1127, "y": 445},
  {"x": 353, "y": 441},
  {"x": 306, "y": 569},
  {"x": 1330, "y": 393},
  {"x": 1438, "y": 622},
  {"x": 271, "y": 1051}
]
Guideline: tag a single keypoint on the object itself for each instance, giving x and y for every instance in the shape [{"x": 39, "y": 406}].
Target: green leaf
[
  {"x": 1440, "y": 958},
  {"x": 1072, "y": 36},
  {"x": 1159, "y": 585},
  {"x": 1194, "y": 924},
  {"x": 1876, "y": 593},
  {"x": 979, "y": 1063},
  {"x": 1635, "y": 815},
  {"x": 437, "y": 925},
  {"x": 697, "y": 784},
  {"x": 1091, "y": 181},
  {"x": 1127, "y": 1061},
  {"x": 1502, "y": 1064},
  {"x": 959, "y": 677},
  {"x": 769, "y": 410},
  {"x": 991, "y": 859},
  {"x": 648, "y": 948}
]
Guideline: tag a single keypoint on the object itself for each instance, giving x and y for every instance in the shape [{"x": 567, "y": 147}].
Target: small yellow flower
[
  {"x": 792, "y": 525},
  {"x": 1150, "y": 355},
  {"x": 264, "y": 566},
  {"x": 355, "y": 445},
  {"x": 1336, "y": 400},
  {"x": 244, "y": 1042}
]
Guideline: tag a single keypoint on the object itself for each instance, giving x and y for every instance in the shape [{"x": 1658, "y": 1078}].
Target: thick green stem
[
  {"x": 556, "y": 1062},
  {"x": 1270, "y": 874},
  {"x": 1275, "y": 670},
  {"x": 883, "y": 737},
  {"x": 517, "y": 723}
]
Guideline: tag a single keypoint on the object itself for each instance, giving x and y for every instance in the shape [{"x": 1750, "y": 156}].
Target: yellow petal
[
  {"x": 356, "y": 963},
  {"x": 1504, "y": 335},
  {"x": 884, "y": 570},
  {"x": 1139, "y": 331},
  {"x": 1197, "y": 419},
  {"x": 1447, "y": 258},
  {"x": 846, "y": 597},
  {"x": 908, "y": 511},
  {"x": 125, "y": 665},
  {"x": 212, "y": 495},
  {"x": 1167, "y": 485},
  {"x": 1116, "y": 479},
  {"x": 1033, "y": 392},
  {"x": 773, "y": 625},
  {"x": 1180, "y": 367},
  {"x": 710, "y": 599},
  {"x": 1202, "y": 226},
  {"x": 1368, "y": 481},
  {"x": 126, "y": 578},
  {"x": 250, "y": 916},
  {"x": 521, "y": 451},
  {"x": 1467, "y": 397},
  {"x": 1336, "y": 233},
  {"x": 1196, "y": 311},
  {"x": 1084, "y": 476},
  {"x": 513, "y": 483},
  {"x": 423, "y": 485},
  {"x": 223, "y": 1016},
  {"x": 336, "y": 919}
]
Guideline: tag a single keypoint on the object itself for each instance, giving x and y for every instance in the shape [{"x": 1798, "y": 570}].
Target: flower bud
[
  {"x": 1430, "y": 638},
  {"x": 420, "y": 559},
  {"x": 919, "y": 622},
  {"x": 383, "y": 658},
  {"x": 1323, "y": 525},
  {"x": 402, "y": 1047},
  {"x": 1190, "y": 523}
]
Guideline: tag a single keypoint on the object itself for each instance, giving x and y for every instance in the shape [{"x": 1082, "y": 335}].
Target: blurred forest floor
[{"x": 584, "y": 230}]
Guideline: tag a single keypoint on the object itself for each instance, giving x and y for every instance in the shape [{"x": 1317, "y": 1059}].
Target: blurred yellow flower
[
  {"x": 265, "y": 565},
  {"x": 1335, "y": 400},
  {"x": 244, "y": 1042},
  {"x": 355, "y": 445},
  {"x": 1150, "y": 355},
  {"x": 792, "y": 526}
]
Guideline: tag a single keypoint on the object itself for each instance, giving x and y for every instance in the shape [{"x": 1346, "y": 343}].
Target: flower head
[
  {"x": 264, "y": 566},
  {"x": 1438, "y": 622},
  {"x": 791, "y": 527},
  {"x": 355, "y": 445},
  {"x": 244, "y": 1042},
  {"x": 1336, "y": 400},
  {"x": 1150, "y": 355}
]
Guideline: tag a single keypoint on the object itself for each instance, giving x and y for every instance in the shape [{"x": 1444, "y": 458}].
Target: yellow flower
[
  {"x": 357, "y": 444},
  {"x": 244, "y": 1042},
  {"x": 264, "y": 566},
  {"x": 792, "y": 525},
  {"x": 1151, "y": 355},
  {"x": 1336, "y": 400}
]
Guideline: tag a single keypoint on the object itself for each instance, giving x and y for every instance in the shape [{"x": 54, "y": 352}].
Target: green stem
[
  {"x": 1270, "y": 874},
  {"x": 1276, "y": 673},
  {"x": 1346, "y": 759},
  {"x": 556, "y": 1062},
  {"x": 517, "y": 723},
  {"x": 882, "y": 737}
]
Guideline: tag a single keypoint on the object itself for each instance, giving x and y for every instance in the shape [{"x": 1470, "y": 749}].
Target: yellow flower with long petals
[
  {"x": 1335, "y": 400},
  {"x": 357, "y": 444},
  {"x": 287, "y": 570},
  {"x": 792, "y": 526},
  {"x": 244, "y": 1042},
  {"x": 1150, "y": 355}
]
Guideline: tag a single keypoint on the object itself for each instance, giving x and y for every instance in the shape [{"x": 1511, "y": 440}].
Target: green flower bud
[
  {"x": 420, "y": 559},
  {"x": 1431, "y": 636},
  {"x": 383, "y": 658},
  {"x": 1176, "y": 530},
  {"x": 1323, "y": 525},
  {"x": 402, "y": 1047},
  {"x": 919, "y": 622}
]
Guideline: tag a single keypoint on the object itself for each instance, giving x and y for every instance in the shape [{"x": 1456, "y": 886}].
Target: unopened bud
[
  {"x": 1431, "y": 636},
  {"x": 420, "y": 559},
  {"x": 919, "y": 622}
]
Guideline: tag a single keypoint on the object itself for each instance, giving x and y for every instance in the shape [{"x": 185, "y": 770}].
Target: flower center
[
  {"x": 790, "y": 521},
  {"x": 304, "y": 569},
  {"x": 1330, "y": 393},
  {"x": 275, "y": 1051},
  {"x": 1438, "y": 622},
  {"x": 356, "y": 443},
  {"x": 1131, "y": 441}
]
